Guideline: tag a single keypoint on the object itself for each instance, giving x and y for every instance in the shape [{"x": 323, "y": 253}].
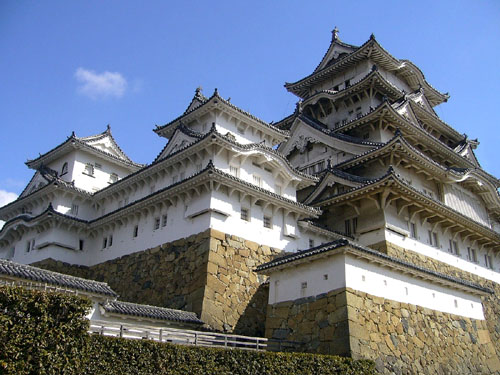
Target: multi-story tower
[
  {"x": 420, "y": 283},
  {"x": 391, "y": 170}
]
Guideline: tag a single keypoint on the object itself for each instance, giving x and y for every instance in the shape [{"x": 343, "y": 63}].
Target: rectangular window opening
[
  {"x": 267, "y": 222},
  {"x": 245, "y": 214}
]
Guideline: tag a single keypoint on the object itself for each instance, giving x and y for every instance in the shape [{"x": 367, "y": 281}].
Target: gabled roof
[
  {"x": 372, "y": 79},
  {"x": 150, "y": 312},
  {"x": 336, "y": 49},
  {"x": 22, "y": 271},
  {"x": 372, "y": 50},
  {"x": 92, "y": 144},
  {"x": 387, "y": 110},
  {"x": 392, "y": 179},
  {"x": 321, "y": 131},
  {"x": 345, "y": 246},
  {"x": 200, "y": 104},
  {"x": 182, "y": 134},
  {"x": 334, "y": 175}
]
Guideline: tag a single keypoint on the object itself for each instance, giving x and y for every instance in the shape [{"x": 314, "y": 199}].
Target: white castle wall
[{"x": 339, "y": 271}]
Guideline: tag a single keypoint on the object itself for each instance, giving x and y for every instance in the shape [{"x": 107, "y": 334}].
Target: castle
[{"x": 361, "y": 224}]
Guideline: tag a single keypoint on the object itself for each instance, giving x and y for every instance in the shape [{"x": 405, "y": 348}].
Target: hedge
[{"x": 46, "y": 333}]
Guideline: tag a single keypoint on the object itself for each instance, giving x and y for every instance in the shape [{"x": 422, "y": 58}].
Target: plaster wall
[{"x": 338, "y": 271}]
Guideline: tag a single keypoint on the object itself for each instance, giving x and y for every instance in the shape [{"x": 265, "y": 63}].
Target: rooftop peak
[{"x": 335, "y": 33}]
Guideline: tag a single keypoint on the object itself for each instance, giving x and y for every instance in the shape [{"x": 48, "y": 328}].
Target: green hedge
[{"x": 46, "y": 333}]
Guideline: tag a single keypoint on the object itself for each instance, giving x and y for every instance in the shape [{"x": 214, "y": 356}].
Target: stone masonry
[
  {"x": 210, "y": 273},
  {"x": 400, "y": 338}
]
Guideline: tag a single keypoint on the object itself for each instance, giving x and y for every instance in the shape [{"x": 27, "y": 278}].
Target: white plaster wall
[
  {"x": 382, "y": 282},
  {"x": 442, "y": 254},
  {"x": 308, "y": 279}
]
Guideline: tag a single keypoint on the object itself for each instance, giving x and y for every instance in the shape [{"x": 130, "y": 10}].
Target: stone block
[{"x": 217, "y": 234}]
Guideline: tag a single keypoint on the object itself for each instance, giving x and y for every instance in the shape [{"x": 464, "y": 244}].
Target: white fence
[{"x": 177, "y": 336}]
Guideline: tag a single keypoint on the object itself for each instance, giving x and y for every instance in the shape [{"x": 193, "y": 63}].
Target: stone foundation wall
[
  {"x": 210, "y": 273},
  {"x": 314, "y": 324},
  {"x": 491, "y": 304},
  {"x": 400, "y": 338}
]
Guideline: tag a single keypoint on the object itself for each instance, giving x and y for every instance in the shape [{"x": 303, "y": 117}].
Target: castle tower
[{"x": 408, "y": 192}]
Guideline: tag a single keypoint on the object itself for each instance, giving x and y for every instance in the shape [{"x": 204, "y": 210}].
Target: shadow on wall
[{"x": 252, "y": 321}]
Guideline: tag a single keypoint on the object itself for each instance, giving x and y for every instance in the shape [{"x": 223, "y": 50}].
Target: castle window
[
  {"x": 433, "y": 239},
  {"x": 257, "y": 180},
  {"x": 64, "y": 169},
  {"x": 488, "y": 262},
  {"x": 104, "y": 242},
  {"x": 454, "y": 247},
  {"x": 157, "y": 223},
  {"x": 311, "y": 243},
  {"x": 267, "y": 222},
  {"x": 325, "y": 276},
  {"x": 413, "y": 230},
  {"x": 80, "y": 244},
  {"x": 455, "y": 303},
  {"x": 351, "y": 225},
  {"x": 136, "y": 231},
  {"x": 164, "y": 220},
  {"x": 89, "y": 170},
  {"x": 303, "y": 285},
  {"x": 98, "y": 166},
  {"x": 74, "y": 210},
  {"x": 245, "y": 214},
  {"x": 347, "y": 83},
  {"x": 110, "y": 240},
  {"x": 235, "y": 171},
  {"x": 113, "y": 177},
  {"x": 472, "y": 255}
]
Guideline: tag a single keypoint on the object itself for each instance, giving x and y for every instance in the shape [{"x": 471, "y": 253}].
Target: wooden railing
[{"x": 177, "y": 336}]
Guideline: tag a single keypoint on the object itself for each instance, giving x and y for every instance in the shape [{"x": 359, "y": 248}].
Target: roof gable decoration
[
  {"x": 38, "y": 181},
  {"x": 336, "y": 50},
  {"x": 106, "y": 142},
  {"x": 177, "y": 142}
]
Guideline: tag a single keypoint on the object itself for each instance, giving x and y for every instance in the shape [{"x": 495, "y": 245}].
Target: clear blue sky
[{"x": 55, "y": 55}]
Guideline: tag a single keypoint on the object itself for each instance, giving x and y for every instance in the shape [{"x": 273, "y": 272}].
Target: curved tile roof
[
  {"x": 151, "y": 312},
  {"x": 23, "y": 271},
  {"x": 344, "y": 242}
]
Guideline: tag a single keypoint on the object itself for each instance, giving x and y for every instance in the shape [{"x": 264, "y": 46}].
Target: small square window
[
  {"x": 157, "y": 223},
  {"x": 325, "y": 276},
  {"x": 245, "y": 214},
  {"x": 98, "y": 166},
  {"x": 267, "y": 222},
  {"x": 311, "y": 243},
  {"x": 303, "y": 285},
  {"x": 164, "y": 220},
  {"x": 113, "y": 177},
  {"x": 89, "y": 169}
]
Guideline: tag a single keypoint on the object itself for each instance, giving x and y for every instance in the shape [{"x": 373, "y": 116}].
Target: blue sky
[{"x": 79, "y": 65}]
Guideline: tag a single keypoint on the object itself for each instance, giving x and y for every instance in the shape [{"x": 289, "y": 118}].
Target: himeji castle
[{"x": 361, "y": 224}]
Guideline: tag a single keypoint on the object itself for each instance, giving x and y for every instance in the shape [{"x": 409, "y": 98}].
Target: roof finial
[
  {"x": 73, "y": 134},
  {"x": 372, "y": 36},
  {"x": 216, "y": 91},
  {"x": 108, "y": 128},
  {"x": 335, "y": 33},
  {"x": 199, "y": 89}
]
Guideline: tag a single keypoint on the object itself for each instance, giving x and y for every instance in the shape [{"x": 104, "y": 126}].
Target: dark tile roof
[
  {"x": 23, "y": 271},
  {"x": 343, "y": 137},
  {"x": 215, "y": 96},
  {"x": 344, "y": 242},
  {"x": 152, "y": 312}
]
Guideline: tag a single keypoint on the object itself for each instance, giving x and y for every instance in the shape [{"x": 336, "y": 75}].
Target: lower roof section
[{"x": 345, "y": 246}]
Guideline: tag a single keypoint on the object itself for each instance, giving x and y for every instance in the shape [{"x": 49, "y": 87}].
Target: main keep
[{"x": 360, "y": 225}]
